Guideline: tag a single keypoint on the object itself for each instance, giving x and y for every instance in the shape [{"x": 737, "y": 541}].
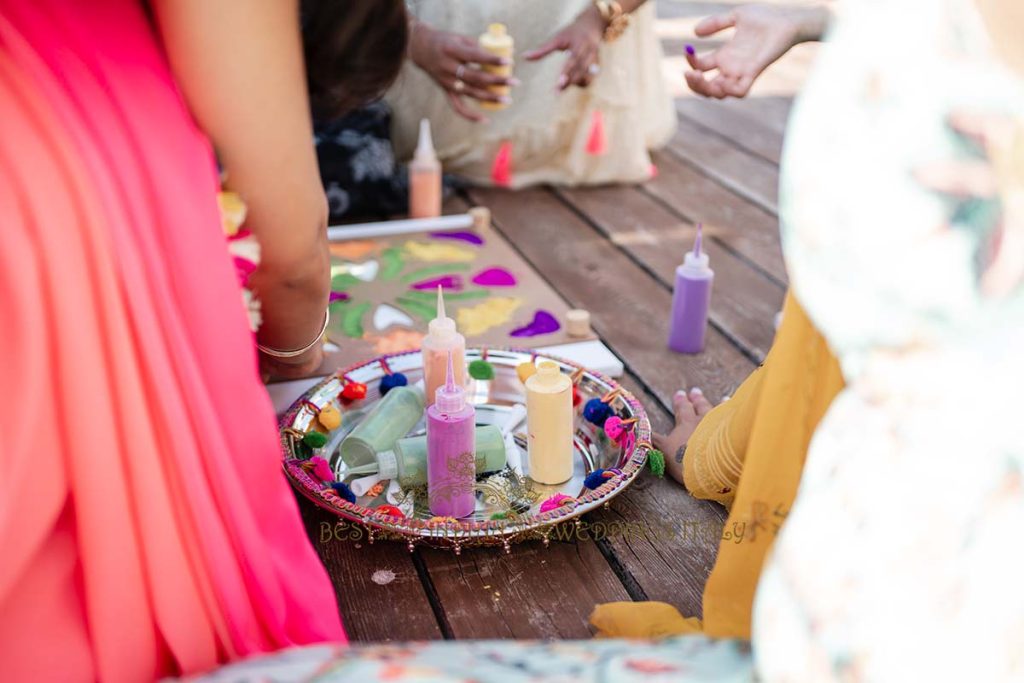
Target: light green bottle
[
  {"x": 391, "y": 419},
  {"x": 407, "y": 461}
]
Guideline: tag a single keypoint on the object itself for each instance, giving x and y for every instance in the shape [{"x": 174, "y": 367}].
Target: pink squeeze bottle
[
  {"x": 691, "y": 300},
  {"x": 451, "y": 450}
]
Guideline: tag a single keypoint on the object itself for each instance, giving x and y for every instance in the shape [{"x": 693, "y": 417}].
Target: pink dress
[{"x": 145, "y": 526}]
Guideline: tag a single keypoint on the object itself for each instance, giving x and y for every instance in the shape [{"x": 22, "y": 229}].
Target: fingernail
[
  {"x": 505, "y": 61},
  {"x": 505, "y": 99},
  {"x": 680, "y": 393},
  {"x": 562, "y": 80},
  {"x": 690, "y": 51},
  {"x": 696, "y": 390},
  {"x": 514, "y": 82}
]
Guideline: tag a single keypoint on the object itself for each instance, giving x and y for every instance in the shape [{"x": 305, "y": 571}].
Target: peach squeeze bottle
[
  {"x": 549, "y": 419},
  {"x": 441, "y": 338},
  {"x": 498, "y": 42},
  {"x": 425, "y": 178}
]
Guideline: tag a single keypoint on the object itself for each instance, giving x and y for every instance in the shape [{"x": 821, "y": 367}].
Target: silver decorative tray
[{"x": 508, "y": 507}]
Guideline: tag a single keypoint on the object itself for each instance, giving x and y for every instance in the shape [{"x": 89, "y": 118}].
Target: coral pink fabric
[{"x": 145, "y": 526}]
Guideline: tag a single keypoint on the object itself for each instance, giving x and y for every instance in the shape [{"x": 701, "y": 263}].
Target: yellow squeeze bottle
[
  {"x": 441, "y": 338},
  {"x": 549, "y": 419},
  {"x": 498, "y": 42}
]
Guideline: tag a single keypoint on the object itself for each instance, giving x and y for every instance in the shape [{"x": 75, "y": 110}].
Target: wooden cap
[
  {"x": 577, "y": 322},
  {"x": 481, "y": 217}
]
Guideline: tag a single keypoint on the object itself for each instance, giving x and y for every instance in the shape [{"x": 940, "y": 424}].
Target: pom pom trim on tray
[
  {"x": 390, "y": 380},
  {"x": 480, "y": 369}
]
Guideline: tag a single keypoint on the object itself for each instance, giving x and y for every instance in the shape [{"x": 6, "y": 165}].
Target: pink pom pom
[
  {"x": 321, "y": 469},
  {"x": 501, "y": 170},
  {"x": 596, "y": 143},
  {"x": 614, "y": 428},
  {"x": 556, "y": 501}
]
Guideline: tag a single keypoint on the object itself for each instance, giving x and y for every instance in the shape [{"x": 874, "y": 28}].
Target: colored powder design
[
  {"x": 353, "y": 251},
  {"x": 398, "y": 341},
  {"x": 475, "y": 320},
  {"x": 365, "y": 271},
  {"x": 352, "y": 320},
  {"x": 437, "y": 251},
  {"x": 469, "y": 237},
  {"x": 543, "y": 323},
  {"x": 386, "y": 316},
  {"x": 445, "y": 281},
  {"x": 494, "y": 277},
  {"x": 337, "y": 296},
  {"x": 433, "y": 271}
]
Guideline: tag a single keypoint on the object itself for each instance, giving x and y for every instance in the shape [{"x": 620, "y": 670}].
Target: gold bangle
[
  {"x": 616, "y": 21},
  {"x": 277, "y": 353}
]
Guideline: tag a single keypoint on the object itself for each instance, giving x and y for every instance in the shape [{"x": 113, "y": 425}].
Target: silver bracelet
[{"x": 277, "y": 353}]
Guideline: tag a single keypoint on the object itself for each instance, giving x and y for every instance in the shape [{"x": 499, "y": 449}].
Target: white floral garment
[{"x": 901, "y": 558}]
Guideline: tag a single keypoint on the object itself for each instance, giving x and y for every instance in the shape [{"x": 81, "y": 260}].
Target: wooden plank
[
  {"x": 748, "y": 176},
  {"x": 732, "y": 123},
  {"x": 743, "y": 302},
  {"x": 398, "y": 610},
  {"x": 629, "y": 308},
  {"x": 533, "y": 592},
  {"x": 746, "y": 229}
]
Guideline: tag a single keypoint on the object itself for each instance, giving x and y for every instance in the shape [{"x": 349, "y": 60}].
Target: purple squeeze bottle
[
  {"x": 691, "y": 300},
  {"x": 451, "y": 450}
]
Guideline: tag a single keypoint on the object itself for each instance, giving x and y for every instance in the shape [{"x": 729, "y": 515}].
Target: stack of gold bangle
[{"x": 615, "y": 19}]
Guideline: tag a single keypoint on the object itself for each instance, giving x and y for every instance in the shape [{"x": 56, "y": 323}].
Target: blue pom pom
[
  {"x": 389, "y": 382},
  {"x": 342, "y": 489},
  {"x": 597, "y": 412},
  {"x": 598, "y": 477},
  {"x": 594, "y": 479}
]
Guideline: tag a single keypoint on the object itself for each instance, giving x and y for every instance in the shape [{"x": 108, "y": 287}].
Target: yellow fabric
[
  {"x": 641, "y": 620},
  {"x": 763, "y": 432}
]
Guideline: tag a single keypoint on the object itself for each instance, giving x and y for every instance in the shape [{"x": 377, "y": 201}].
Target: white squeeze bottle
[{"x": 441, "y": 338}]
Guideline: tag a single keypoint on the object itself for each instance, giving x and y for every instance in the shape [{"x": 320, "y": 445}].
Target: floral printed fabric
[
  {"x": 358, "y": 167},
  {"x": 690, "y": 659}
]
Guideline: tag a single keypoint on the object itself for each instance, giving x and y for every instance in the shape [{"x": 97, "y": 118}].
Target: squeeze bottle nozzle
[
  {"x": 451, "y": 398},
  {"x": 442, "y": 326}
]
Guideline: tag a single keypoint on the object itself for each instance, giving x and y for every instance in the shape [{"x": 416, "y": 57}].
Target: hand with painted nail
[
  {"x": 580, "y": 41},
  {"x": 763, "y": 33},
  {"x": 689, "y": 408},
  {"x": 453, "y": 61}
]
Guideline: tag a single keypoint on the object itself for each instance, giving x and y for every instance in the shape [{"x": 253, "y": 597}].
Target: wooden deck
[{"x": 615, "y": 255}]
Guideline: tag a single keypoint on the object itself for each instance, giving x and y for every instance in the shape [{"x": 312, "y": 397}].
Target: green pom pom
[
  {"x": 315, "y": 439},
  {"x": 656, "y": 463},
  {"x": 499, "y": 515},
  {"x": 481, "y": 369}
]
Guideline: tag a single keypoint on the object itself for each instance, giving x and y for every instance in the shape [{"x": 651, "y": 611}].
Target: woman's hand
[
  {"x": 763, "y": 34},
  {"x": 453, "y": 61},
  {"x": 581, "y": 40}
]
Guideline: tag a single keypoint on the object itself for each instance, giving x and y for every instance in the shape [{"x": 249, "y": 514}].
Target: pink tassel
[
  {"x": 501, "y": 170},
  {"x": 596, "y": 143}
]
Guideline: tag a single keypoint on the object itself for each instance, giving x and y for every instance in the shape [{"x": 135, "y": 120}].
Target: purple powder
[
  {"x": 543, "y": 323},
  {"x": 470, "y": 237},
  {"x": 495, "y": 277}
]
